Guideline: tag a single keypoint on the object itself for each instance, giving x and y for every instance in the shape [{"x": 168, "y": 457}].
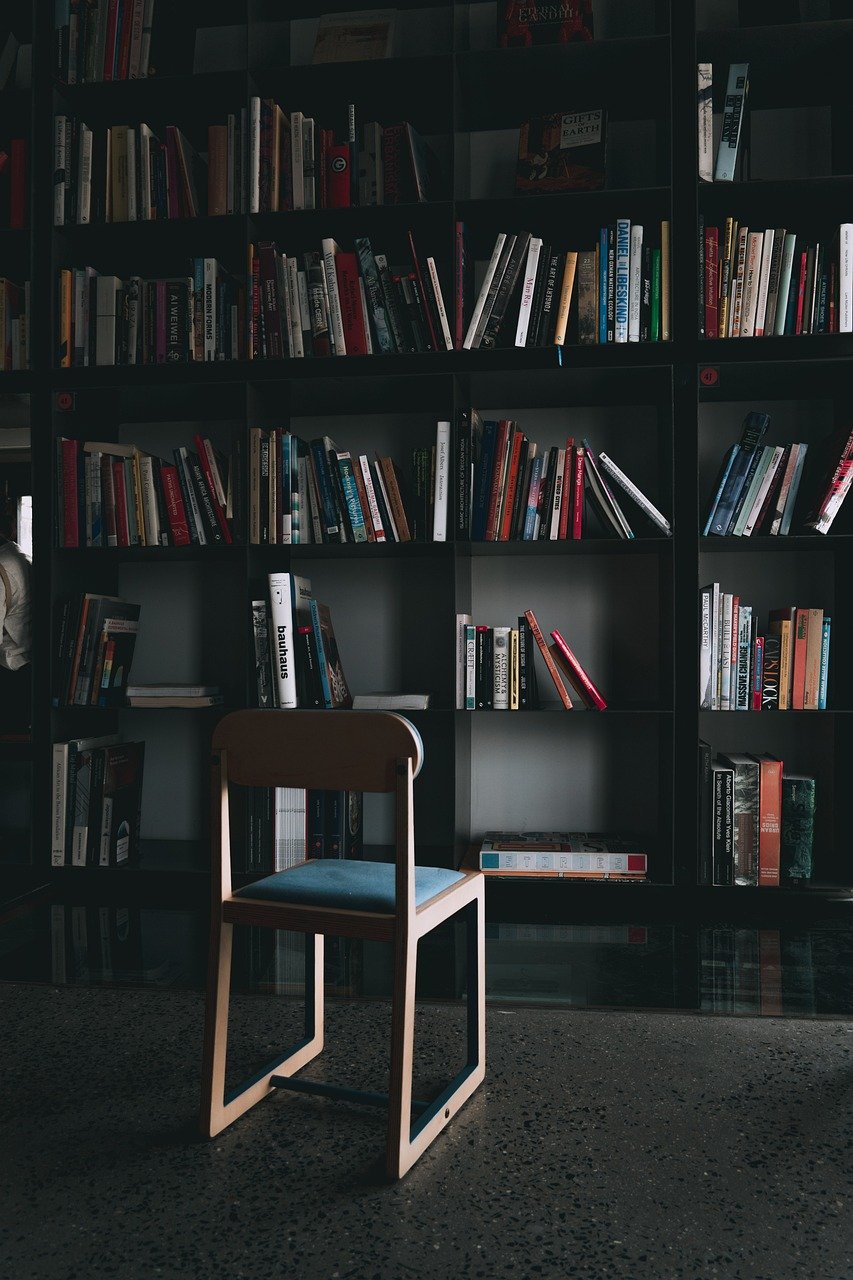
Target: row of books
[
  {"x": 295, "y": 163},
  {"x": 314, "y": 492},
  {"x": 734, "y": 117},
  {"x": 14, "y": 185},
  {"x": 496, "y": 667},
  {"x": 297, "y": 663},
  {"x": 622, "y": 288},
  {"x": 102, "y": 40},
  {"x": 763, "y": 283},
  {"x": 94, "y": 651},
  {"x": 286, "y": 825},
  {"x": 744, "y": 667},
  {"x": 95, "y": 802},
  {"x": 344, "y": 303},
  {"x": 117, "y": 495},
  {"x": 758, "y": 484},
  {"x": 104, "y": 320},
  {"x": 757, "y": 822},
  {"x": 570, "y": 855},
  {"x": 14, "y": 325},
  {"x": 124, "y": 173},
  {"x": 509, "y": 491}
]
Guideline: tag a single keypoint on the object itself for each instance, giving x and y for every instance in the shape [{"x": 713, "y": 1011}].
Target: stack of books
[
  {"x": 97, "y": 637},
  {"x": 115, "y": 495},
  {"x": 103, "y": 41},
  {"x": 343, "y": 303},
  {"x": 105, "y": 320},
  {"x": 95, "y": 802},
  {"x": 297, "y": 663},
  {"x": 315, "y": 492},
  {"x": 509, "y": 491},
  {"x": 783, "y": 666},
  {"x": 568, "y": 855},
  {"x": 192, "y": 697},
  {"x": 496, "y": 669},
  {"x": 527, "y": 298}
]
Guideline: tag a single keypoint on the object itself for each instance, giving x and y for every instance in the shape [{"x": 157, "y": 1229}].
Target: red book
[
  {"x": 498, "y": 468},
  {"x": 511, "y": 486},
  {"x": 831, "y": 295},
  {"x": 577, "y": 494},
  {"x": 70, "y": 497},
  {"x": 712, "y": 237},
  {"x": 548, "y": 656},
  {"x": 352, "y": 313},
  {"x": 425, "y": 307},
  {"x": 337, "y": 176},
  {"x": 583, "y": 685},
  {"x": 800, "y": 639},
  {"x": 207, "y": 471},
  {"x": 18, "y": 187},
  {"x": 122, "y": 526},
  {"x": 110, "y": 41},
  {"x": 801, "y": 292},
  {"x": 757, "y": 672},
  {"x": 568, "y": 488},
  {"x": 769, "y": 819},
  {"x": 175, "y": 504}
]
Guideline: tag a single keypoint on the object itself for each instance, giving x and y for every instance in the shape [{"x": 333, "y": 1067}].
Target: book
[
  {"x": 548, "y": 659},
  {"x": 723, "y": 823},
  {"x": 706, "y": 107},
  {"x": 282, "y": 637},
  {"x": 797, "y": 835},
  {"x": 746, "y": 816},
  {"x": 174, "y": 700},
  {"x": 354, "y": 37},
  {"x": 737, "y": 89},
  {"x": 522, "y": 24},
  {"x": 391, "y": 701},
  {"x": 562, "y": 152},
  {"x": 769, "y": 820},
  {"x": 118, "y": 843},
  {"x": 646, "y": 506},
  {"x": 339, "y": 694},
  {"x": 579, "y": 678}
]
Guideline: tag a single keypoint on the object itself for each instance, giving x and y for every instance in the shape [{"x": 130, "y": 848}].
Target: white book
[
  {"x": 484, "y": 289},
  {"x": 439, "y": 304},
  {"x": 708, "y": 645},
  {"x": 463, "y": 621},
  {"x": 298, "y": 159},
  {"x": 84, "y": 182},
  {"x": 390, "y": 702},
  {"x": 528, "y": 285},
  {"x": 254, "y": 155},
  {"x": 633, "y": 492},
  {"x": 294, "y": 309},
  {"x": 725, "y": 652},
  {"x": 145, "y": 48},
  {"x": 559, "y": 479},
  {"x": 752, "y": 270},
  {"x": 845, "y": 278},
  {"x": 281, "y": 626},
  {"x": 500, "y": 668},
  {"x": 379, "y": 533},
  {"x": 773, "y": 465},
  {"x": 60, "y": 133},
  {"x": 210, "y": 309},
  {"x": 785, "y": 272},
  {"x": 635, "y": 283},
  {"x": 442, "y": 482},
  {"x": 764, "y": 282},
  {"x": 151, "y": 513},
  {"x": 736, "y": 91},
  {"x": 706, "y": 122},
  {"x": 623, "y": 270},
  {"x": 336, "y": 323},
  {"x": 470, "y": 666},
  {"x": 131, "y": 175},
  {"x": 308, "y": 162}
]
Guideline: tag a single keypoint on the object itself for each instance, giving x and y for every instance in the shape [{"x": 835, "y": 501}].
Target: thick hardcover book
[
  {"x": 562, "y": 152},
  {"x": 521, "y": 24},
  {"x": 283, "y": 646},
  {"x": 769, "y": 819},
  {"x": 722, "y": 823},
  {"x": 797, "y": 836},
  {"x": 746, "y": 816}
]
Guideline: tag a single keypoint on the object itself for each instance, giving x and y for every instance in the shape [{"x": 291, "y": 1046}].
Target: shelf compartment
[{"x": 788, "y": 63}]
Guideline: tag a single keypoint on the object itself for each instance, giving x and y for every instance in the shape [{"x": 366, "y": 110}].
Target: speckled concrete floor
[{"x": 624, "y": 1145}]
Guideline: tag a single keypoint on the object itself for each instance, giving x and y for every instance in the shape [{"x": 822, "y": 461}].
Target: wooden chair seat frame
[{"x": 364, "y": 751}]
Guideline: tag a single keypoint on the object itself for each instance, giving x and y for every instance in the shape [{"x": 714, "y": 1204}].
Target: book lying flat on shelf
[
  {"x": 562, "y": 853},
  {"x": 355, "y": 37},
  {"x": 175, "y": 700},
  {"x": 390, "y": 701}
]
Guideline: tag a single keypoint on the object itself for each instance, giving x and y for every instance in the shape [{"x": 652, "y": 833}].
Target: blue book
[
  {"x": 602, "y": 285},
  {"x": 483, "y": 482},
  {"x": 530, "y": 514},
  {"x": 754, "y": 427},
  {"x": 724, "y": 475},
  {"x": 322, "y": 662},
  {"x": 824, "y": 664},
  {"x": 329, "y": 513},
  {"x": 350, "y": 492}
]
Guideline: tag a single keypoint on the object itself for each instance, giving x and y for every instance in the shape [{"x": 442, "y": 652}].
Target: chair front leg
[{"x": 217, "y": 1110}]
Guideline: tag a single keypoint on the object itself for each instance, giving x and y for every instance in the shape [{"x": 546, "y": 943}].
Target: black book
[
  {"x": 309, "y": 688},
  {"x": 384, "y": 514},
  {"x": 533, "y": 329},
  {"x": 212, "y": 531},
  {"x": 546, "y": 494},
  {"x": 483, "y": 668},
  {"x": 261, "y": 644},
  {"x": 509, "y": 286},
  {"x": 423, "y": 311},
  {"x": 646, "y": 295},
  {"x": 770, "y": 673},
  {"x": 519, "y": 499},
  {"x": 706, "y": 812},
  {"x": 412, "y": 312},
  {"x": 722, "y": 824},
  {"x": 264, "y": 488}
]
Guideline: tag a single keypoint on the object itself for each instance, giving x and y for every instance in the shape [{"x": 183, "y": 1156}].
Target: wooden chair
[{"x": 397, "y": 903}]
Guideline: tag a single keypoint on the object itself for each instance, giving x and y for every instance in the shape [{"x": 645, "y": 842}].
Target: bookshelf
[{"x": 668, "y": 409}]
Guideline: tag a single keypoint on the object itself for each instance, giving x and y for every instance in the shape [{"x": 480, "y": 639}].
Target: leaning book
[{"x": 562, "y": 152}]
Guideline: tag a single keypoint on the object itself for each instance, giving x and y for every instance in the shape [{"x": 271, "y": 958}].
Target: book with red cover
[
  {"x": 583, "y": 685},
  {"x": 70, "y": 496},
  {"x": 577, "y": 492},
  {"x": 352, "y": 314},
  {"x": 120, "y": 491},
  {"x": 110, "y": 40},
  {"x": 548, "y": 656},
  {"x": 337, "y": 175},
  {"x": 211, "y": 487},
  {"x": 712, "y": 236},
  {"x": 801, "y": 292},
  {"x": 568, "y": 488},
  {"x": 18, "y": 187},
  {"x": 175, "y": 509},
  {"x": 769, "y": 819}
]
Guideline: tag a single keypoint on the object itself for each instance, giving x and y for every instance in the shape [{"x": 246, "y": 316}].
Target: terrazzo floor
[{"x": 613, "y": 1144}]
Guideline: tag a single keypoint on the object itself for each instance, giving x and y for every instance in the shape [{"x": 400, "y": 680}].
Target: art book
[{"x": 562, "y": 152}]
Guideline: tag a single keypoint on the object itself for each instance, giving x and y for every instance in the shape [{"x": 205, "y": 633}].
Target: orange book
[
  {"x": 65, "y": 336},
  {"x": 398, "y": 511},
  {"x": 814, "y": 642},
  {"x": 510, "y": 486},
  {"x": 798, "y": 684},
  {"x": 549, "y": 659},
  {"x": 568, "y": 487},
  {"x": 769, "y": 819}
]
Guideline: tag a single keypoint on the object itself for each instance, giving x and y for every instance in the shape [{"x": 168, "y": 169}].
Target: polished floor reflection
[{"x": 714, "y": 969}]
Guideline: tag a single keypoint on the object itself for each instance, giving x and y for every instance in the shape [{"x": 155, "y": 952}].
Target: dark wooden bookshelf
[{"x": 690, "y": 394}]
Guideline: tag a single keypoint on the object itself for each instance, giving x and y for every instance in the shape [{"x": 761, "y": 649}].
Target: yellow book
[
  {"x": 725, "y": 279},
  {"x": 566, "y": 297},
  {"x": 665, "y": 334}
]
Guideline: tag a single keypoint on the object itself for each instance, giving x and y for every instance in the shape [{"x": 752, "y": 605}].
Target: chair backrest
[{"x": 330, "y": 751}]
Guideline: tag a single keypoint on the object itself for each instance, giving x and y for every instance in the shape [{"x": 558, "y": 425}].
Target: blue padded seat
[{"x": 347, "y": 883}]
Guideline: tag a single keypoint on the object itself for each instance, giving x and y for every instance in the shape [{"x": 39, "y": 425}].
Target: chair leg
[
  {"x": 406, "y": 1141},
  {"x": 218, "y": 1111}
]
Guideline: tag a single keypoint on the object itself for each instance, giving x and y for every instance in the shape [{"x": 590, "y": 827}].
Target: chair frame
[{"x": 294, "y": 748}]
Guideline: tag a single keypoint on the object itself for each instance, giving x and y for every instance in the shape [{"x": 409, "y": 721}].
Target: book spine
[
  {"x": 500, "y": 668},
  {"x": 727, "y": 151},
  {"x": 705, "y": 122},
  {"x": 647, "y": 507},
  {"x": 548, "y": 659},
  {"x": 711, "y": 276},
  {"x": 824, "y": 663},
  {"x": 622, "y": 285},
  {"x": 635, "y": 282},
  {"x": 281, "y": 614},
  {"x": 769, "y": 821},
  {"x": 442, "y": 482}
]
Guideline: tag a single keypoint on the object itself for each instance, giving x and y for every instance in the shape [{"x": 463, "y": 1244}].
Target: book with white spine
[
  {"x": 336, "y": 323},
  {"x": 281, "y": 628},
  {"x": 764, "y": 281},
  {"x": 64, "y": 755},
  {"x": 735, "y": 105},
  {"x": 752, "y": 271},
  {"x": 845, "y": 278},
  {"x": 500, "y": 668},
  {"x": 706, "y": 118},
  {"x": 484, "y": 289},
  {"x": 439, "y": 304},
  {"x": 146, "y": 210},
  {"x": 623, "y": 276},
  {"x": 294, "y": 309},
  {"x": 255, "y": 155},
  {"x": 635, "y": 282},
  {"x": 529, "y": 281},
  {"x": 556, "y": 504},
  {"x": 645, "y": 505},
  {"x": 131, "y": 175},
  {"x": 725, "y": 651},
  {"x": 442, "y": 482}
]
